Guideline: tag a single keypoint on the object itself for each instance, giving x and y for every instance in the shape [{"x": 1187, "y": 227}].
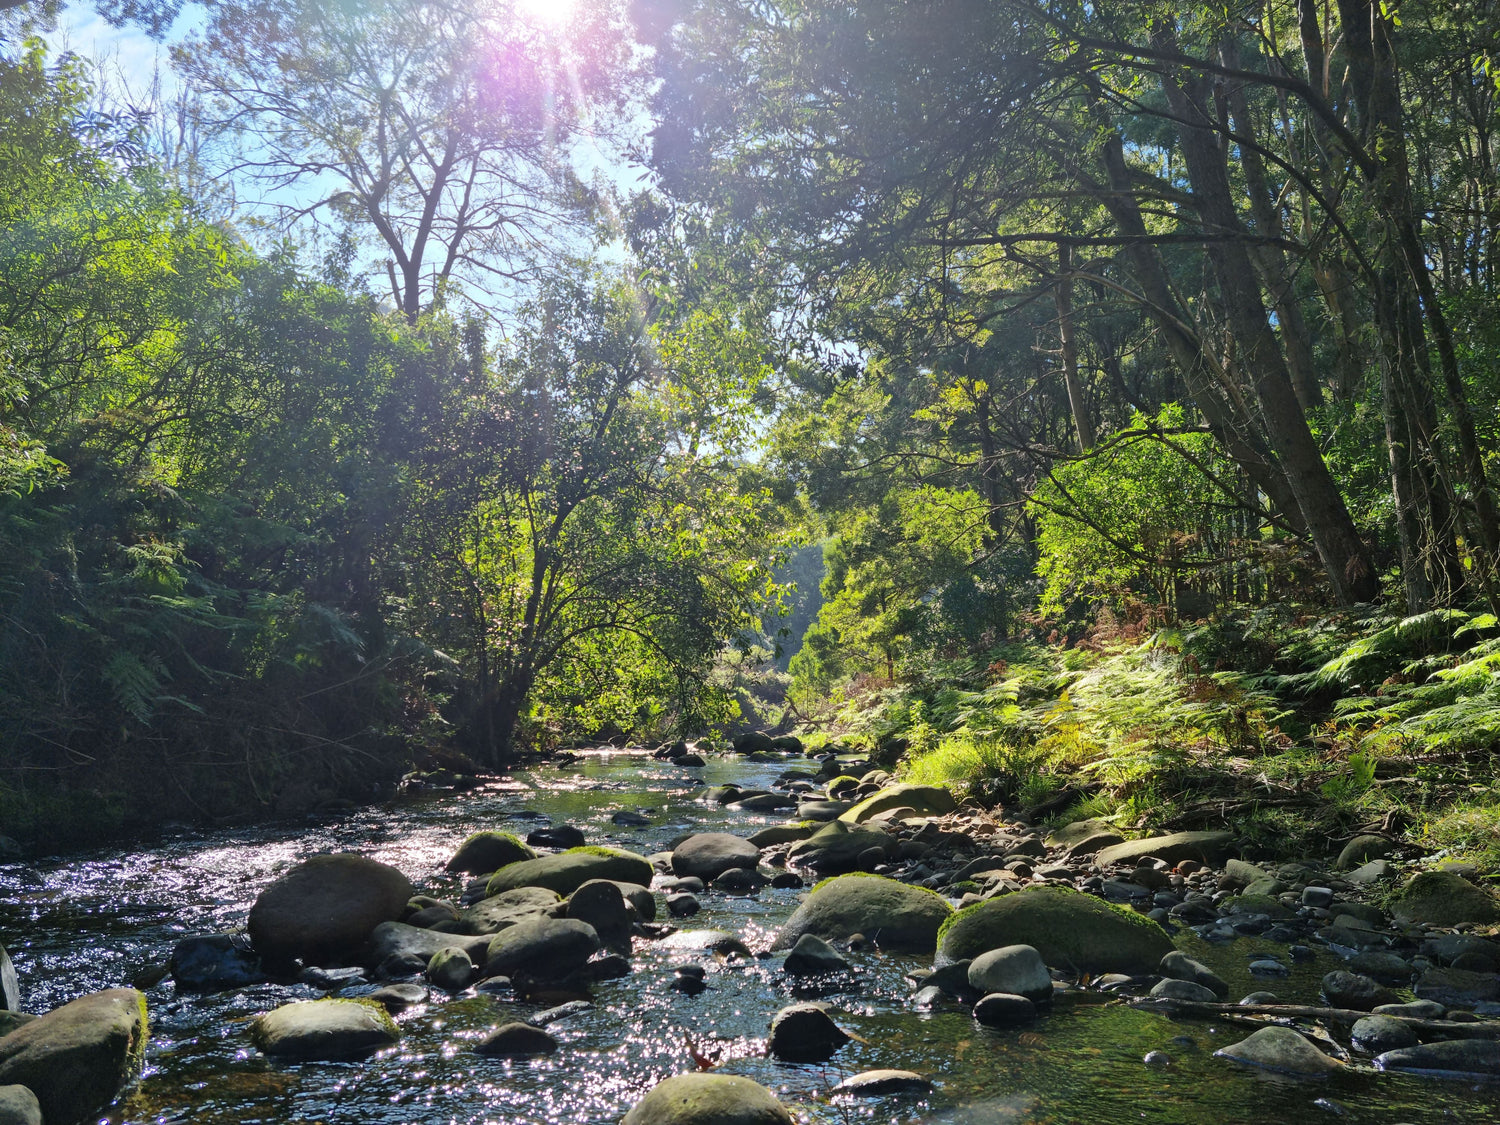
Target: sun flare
[{"x": 548, "y": 13}]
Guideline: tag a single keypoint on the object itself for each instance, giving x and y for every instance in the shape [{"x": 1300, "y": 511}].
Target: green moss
[
  {"x": 608, "y": 853},
  {"x": 818, "y": 886},
  {"x": 138, "y": 1047}
]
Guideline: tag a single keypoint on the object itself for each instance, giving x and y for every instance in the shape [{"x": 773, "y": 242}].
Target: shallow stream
[{"x": 89, "y": 921}]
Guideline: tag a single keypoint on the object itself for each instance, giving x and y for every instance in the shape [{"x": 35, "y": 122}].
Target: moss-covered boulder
[
  {"x": 1443, "y": 898},
  {"x": 708, "y": 1099},
  {"x": 753, "y": 742},
  {"x": 484, "y": 852},
  {"x": 566, "y": 871},
  {"x": 782, "y": 834},
  {"x": 837, "y": 849},
  {"x": 324, "y": 910},
  {"x": 924, "y": 800},
  {"x": 895, "y": 916},
  {"x": 334, "y": 1030},
  {"x": 1071, "y": 930},
  {"x": 1206, "y": 847},
  {"x": 76, "y": 1058}
]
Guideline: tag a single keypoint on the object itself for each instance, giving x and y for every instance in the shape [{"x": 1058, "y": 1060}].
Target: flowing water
[{"x": 84, "y": 922}]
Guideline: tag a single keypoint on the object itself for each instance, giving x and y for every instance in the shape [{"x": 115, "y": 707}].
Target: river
[{"x": 88, "y": 921}]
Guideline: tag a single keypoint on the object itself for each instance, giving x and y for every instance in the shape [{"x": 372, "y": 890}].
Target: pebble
[{"x": 1157, "y": 1059}]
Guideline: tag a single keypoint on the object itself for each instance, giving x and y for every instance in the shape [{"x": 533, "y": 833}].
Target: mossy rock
[
  {"x": 566, "y": 871},
  {"x": 894, "y": 915},
  {"x": 1071, "y": 930},
  {"x": 484, "y": 852},
  {"x": 1253, "y": 903},
  {"x": 333, "y": 1030},
  {"x": 76, "y": 1058},
  {"x": 923, "y": 800},
  {"x": 708, "y": 1099},
  {"x": 1442, "y": 898}
]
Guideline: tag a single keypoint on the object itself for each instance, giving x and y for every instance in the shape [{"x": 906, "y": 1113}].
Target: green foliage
[{"x": 1136, "y": 515}]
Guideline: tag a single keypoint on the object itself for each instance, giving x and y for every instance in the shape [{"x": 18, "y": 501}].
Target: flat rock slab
[
  {"x": 76, "y": 1058},
  {"x": 324, "y": 1031},
  {"x": 1206, "y": 847},
  {"x": 1070, "y": 930},
  {"x": 880, "y": 1083},
  {"x": 923, "y": 800},
  {"x": 324, "y": 910},
  {"x": 708, "y": 1099},
  {"x": 1283, "y": 1050},
  {"x": 895, "y": 916}
]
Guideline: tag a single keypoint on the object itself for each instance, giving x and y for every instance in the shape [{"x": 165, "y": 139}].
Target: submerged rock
[
  {"x": 708, "y": 1099},
  {"x": 1283, "y": 1050},
  {"x": 1378, "y": 1034},
  {"x": 1070, "y": 930},
  {"x": 213, "y": 962},
  {"x": 76, "y": 1058},
  {"x": 325, "y": 1030},
  {"x": 803, "y": 1033},
  {"x": 812, "y": 956},
  {"x": 1004, "y": 1009},
  {"x": 325, "y": 909},
  {"x": 1458, "y": 1058},
  {"x": 894, "y": 915},
  {"x": 1179, "y": 966},
  {"x": 516, "y": 1040}
]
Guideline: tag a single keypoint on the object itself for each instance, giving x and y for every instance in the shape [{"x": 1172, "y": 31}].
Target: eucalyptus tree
[{"x": 442, "y": 131}]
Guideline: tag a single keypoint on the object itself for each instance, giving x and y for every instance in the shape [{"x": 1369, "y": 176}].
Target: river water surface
[{"x": 89, "y": 921}]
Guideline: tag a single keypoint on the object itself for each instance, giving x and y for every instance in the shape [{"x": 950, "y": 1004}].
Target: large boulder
[
  {"x": 924, "y": 800},
  {"x": 324, "y": 910},
  {"x": 484, "y": 852},
  {"x": 837, "y": 849},
  {"x": 709, "y": 854},
  {"x": 602, "y": 905},
  {"x": 708, "y": 1099},
  {"x": 566, "y": 871},
  {"x": 1443, "y": 898},
  {"x": 545, "y": 948},
  {"x": 1459, "y": 1058},
  {"x": 334, "y": 1030},
  {"x": 753, "y": 742},
  {"x": 76, "y": 1058},
  {"x": 1206, "y": 847},
  {"x": 1069, "y": 929},
  {"x": 895, "y": 916}
]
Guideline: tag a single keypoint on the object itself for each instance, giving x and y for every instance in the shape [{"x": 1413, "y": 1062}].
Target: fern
[{"x": 135, "y": 682}]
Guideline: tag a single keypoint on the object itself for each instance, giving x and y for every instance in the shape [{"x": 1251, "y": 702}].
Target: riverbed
[{"x": 88, "y": 921}]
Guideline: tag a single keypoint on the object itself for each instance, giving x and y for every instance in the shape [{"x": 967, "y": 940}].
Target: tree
[{"x": 443, "y": 132}]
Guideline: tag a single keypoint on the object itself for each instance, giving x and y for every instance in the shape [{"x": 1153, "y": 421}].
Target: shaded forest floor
[{"x": 1298, "y": 731}]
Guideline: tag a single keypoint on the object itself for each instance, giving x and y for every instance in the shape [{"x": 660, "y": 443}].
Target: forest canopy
[{"x": 404, "y": 379}]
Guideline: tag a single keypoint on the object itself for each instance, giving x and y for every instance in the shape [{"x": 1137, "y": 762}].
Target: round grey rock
[
  {"x": 1004, "y": 1009},
  {"x": 1379, "y": 1034},
  {"x": 708, "y": 1099},
  {"x": 1017, "y": 969},
  {"x": 516, "y": 1040},
  {"x": 324, "y": 1031},
  {"x": 709, "y": 854},
  {"x": 804, "y": 1033}
]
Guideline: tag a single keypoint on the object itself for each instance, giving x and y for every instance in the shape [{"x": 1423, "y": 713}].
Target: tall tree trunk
[
  {"x": 1062, "y": 295},
  {"x": 1351, "y": 575},
  {"x": 1231, "y": 427}
]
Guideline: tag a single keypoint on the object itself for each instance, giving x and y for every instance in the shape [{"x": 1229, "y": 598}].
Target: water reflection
[{"x": 91, "y": 921}]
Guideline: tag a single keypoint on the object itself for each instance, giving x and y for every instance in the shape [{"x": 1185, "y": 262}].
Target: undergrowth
[{"x": 1294, "y": 730}]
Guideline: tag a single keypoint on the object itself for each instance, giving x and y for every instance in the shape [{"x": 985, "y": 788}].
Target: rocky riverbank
[{"x": 1007, "y": 925}]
